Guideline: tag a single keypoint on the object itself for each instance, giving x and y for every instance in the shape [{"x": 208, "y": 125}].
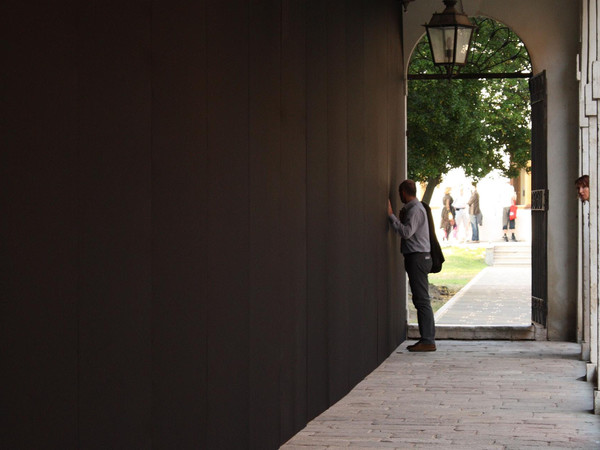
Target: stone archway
[
  {"x": 535, "y": 23},
  {"x": 476, "y": 120}
]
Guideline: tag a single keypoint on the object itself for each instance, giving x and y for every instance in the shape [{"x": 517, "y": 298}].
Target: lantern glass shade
[
  {"x": 450, "y": 44},
  {"x": 450, "y": 35}
]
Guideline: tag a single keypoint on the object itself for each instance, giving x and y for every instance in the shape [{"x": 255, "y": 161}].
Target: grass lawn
[{"x": 461, "y": 265}]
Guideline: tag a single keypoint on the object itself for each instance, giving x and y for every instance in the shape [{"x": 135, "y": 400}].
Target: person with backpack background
[
  {"x": 508, "y": 220},
  {"x": 509, "y": 214}
]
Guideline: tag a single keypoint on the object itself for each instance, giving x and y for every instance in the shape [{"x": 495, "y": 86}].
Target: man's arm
[{"x": 410, "y": 225}]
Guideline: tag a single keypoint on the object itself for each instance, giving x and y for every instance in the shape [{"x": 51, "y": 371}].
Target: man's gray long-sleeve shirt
[{"x": 413, "y": 228}]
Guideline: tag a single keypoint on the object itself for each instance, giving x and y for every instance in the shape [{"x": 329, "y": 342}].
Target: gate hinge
[{"x": 539, "y": 200}]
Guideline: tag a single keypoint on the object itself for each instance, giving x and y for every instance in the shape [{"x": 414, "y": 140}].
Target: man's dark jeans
[
  {"x": 417, "y": 267},
  {"x": 475, "y": 227}
]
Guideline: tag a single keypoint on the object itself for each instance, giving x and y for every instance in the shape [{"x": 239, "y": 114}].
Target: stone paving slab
[
  {"x": 498, "y": 295},
  {"x": 468, "y": 395}
]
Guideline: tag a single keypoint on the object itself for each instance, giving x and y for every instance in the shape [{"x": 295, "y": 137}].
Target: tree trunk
[{"x": 431, "y": 185}]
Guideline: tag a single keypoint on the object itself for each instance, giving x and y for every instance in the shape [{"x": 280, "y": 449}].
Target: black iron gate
[{"x": 539, "y": 199}]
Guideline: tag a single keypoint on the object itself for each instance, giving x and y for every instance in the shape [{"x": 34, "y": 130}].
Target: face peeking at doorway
[{"x": 583, "y": 188}]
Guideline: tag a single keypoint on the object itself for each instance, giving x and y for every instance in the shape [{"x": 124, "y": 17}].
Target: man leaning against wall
[{"x": 413, "y": 228}]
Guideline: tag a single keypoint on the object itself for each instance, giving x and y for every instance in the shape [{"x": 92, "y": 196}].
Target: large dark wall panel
[
  {"x": 293, "y": 208},
  {"x": 361, "y": 339},
  {"x": 114, "y": 141},
  {"x": 394, "y": 170},
  {"x": 179, "y": 216},
  {"x": 378, "y": 94},
  {"x": 197, "y": 253},
  {"x": 38, "y": 229},
  {"x": 265, "y": 289},
  {"x": 317, "y": 350},
  {"x": 228, "y": 211},
  {"x": 338, "y": 244}
]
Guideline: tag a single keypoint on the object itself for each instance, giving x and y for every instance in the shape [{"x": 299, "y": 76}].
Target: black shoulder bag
[{"x": 437, "y": 257}]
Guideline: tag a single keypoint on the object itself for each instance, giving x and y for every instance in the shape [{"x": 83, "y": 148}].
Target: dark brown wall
[{"x": 194, "y": 245}]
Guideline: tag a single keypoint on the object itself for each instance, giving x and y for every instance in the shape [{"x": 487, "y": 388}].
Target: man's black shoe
[{"x": 421, "y": 347}]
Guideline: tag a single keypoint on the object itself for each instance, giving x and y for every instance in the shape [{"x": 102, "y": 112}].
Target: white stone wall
[{"x": 589, "y": 95}]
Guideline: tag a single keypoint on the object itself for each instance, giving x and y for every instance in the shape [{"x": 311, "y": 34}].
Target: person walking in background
[
  {"x": 509, "y": 215},
  {"x": 413, "y": 228},
  {"x": 509, "y": 211},
  {"x": 448, "y": 219},
  {"x": 583, "y": 188},
  {"x": 475, "y": 215},
  {"x": 462, "y": 216}
]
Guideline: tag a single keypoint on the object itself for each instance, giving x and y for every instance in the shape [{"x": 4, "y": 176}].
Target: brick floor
[{"x": 469, "y": 395}]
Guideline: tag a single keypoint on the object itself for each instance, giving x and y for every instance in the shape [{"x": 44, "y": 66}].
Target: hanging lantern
[{"x": 450, "y": 34}]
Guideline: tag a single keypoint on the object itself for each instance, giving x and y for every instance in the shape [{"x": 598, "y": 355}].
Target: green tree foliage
[{"x": 480, "y": 125}]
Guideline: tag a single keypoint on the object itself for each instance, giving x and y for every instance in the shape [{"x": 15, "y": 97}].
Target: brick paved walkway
[{"x": 468, "y": 395}]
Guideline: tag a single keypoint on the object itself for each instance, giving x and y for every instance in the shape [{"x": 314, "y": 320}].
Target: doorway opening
[{"x": 470, "y": 141}]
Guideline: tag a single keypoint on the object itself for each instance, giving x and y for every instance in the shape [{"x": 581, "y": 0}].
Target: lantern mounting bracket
[{"x": 405, "y": 4}]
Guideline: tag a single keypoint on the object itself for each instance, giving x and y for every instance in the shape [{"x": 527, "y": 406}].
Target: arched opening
[{"x": 470, "y": 136}]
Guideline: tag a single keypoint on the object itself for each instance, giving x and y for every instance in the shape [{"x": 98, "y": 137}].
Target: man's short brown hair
[
  {"x": 408, "y": 187},
  {"x": 583, "y": 181}
]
